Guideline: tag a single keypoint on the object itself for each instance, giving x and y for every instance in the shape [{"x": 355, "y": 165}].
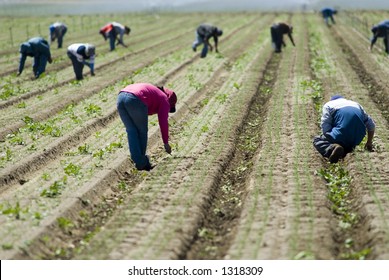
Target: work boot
[{"x": 337, "y": 153}]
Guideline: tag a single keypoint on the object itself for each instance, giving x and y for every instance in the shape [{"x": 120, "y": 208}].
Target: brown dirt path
[{"x": 285, "y": 214}]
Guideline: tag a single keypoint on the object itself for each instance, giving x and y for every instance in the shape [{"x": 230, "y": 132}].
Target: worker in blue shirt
[
  {"x": 381, "y": 30},
  {"x": 39, "y": 49},
  {"x": 344, "y": 124},
  {"x": 203, "y": 33},
  {"x": 328, "y": 13},
  {"x": 57, "y": 31}
]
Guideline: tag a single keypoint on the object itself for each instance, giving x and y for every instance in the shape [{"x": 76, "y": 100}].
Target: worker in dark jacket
[
  {"x": 381, "y": 30},
  {"x": 344, "y": 124},
  {"x": 39, "y": 49},
  {"x": 203, "y": 33},
  {"x": 328, "y": 13},
  {"x": 114, "y": 31},
  {"x": 277, "y": 35},
  {"x": 57, "y": 31},
  {"x": 80, "y": 55}
]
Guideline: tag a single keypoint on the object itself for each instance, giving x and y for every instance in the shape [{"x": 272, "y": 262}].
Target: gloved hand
[
  {"x": 168, "y": 149},
  {"x": 50, "y": 60}
]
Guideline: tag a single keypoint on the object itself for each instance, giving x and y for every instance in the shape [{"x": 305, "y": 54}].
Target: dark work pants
[
  {"x": 39, "y": 65},
  {"x": 77, "y": 66},
  {"x": 325, "y": 147},
  {"x": 60, "y": 37},
  {"x": 112, "y": 39},
  {"x": 386, "y": 42},
  {"x": 276, "y": 38}
]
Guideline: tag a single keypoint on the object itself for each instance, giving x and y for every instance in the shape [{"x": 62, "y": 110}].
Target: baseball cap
[{"x": 171, "y": 95}]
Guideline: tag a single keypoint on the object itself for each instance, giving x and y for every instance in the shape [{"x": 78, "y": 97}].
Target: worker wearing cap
[
  {"x": 328, "y": 14},
  {"x": 82, "y": 54},
  {"x": 344, "y": 124},
  {"x": 381, "y": 30},
  {"x": 135, "y": 103},
  {"x": 57, "y": 31},
  {"x": 111, "y": 31},
  {"x": 39, "y": 49},
  {"x": 203, "y": 33}
]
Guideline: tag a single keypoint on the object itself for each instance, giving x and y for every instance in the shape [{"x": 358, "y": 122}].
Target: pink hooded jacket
[{"x": 157, "y": 102}]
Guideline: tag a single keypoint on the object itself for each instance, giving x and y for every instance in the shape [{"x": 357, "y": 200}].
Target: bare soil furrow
[
  {"x": 223, "y": 210},
  {"x": 285, "y": 210}
]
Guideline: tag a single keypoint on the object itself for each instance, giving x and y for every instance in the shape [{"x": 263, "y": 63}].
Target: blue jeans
[
  {"x": 133, "y": 113},
  {"x": 198, "y": 41}
]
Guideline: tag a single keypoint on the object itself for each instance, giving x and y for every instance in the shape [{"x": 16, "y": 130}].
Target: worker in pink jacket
[{"x": 135, "y": 103}]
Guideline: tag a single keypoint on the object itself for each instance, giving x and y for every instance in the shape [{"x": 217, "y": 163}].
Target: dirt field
[{"x": 243, "y": 181}]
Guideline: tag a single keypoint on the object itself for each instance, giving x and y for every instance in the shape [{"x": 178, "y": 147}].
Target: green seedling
[
  {"x": 16, "y": 139},
  {"x": 55, "y": 189},
  {"x": 72, "y": 170},
  {"x": 15, "y": 211},
  {"x": 237, "y": 86},
  {"x": 64, "y": 223},
  {"x": 222, "y": 98},
  {"x": 7, "y": 246},
  {"x": 46, "y": 176},
  {"x": 21, "y": 105},
  {"x": 92, "y": 110}
]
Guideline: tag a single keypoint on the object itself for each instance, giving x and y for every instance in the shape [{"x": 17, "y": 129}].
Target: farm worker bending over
[
  {"x": 137, "y": 101},
  {"x": 344, "y": 124},
  {"x": 381, "y": 30},
  {"x": 58, "y": 31},
  {"x": 328, "y": 13},
  {"x": 39, "y": 49},
  {"x": 78, "y": 54},
  {"x": 277, "y": 32},
  {"x": 203, "y": 33},
  {"x": 112, "y": 30}
]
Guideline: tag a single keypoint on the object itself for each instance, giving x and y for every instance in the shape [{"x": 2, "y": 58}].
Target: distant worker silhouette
[
  {"x": 82, "y": 54},
  {"x": 111, "y": 31},
  {"x": 277, "y": 32},
  {"x": 57, "y": 31},
  {"x": 344, "y": 124},
  {"x": 203, "y": 33},
  {"x": 328, "y": 13},
  {"x": 381, "y": 30},
  {"x": 39, "y": 49}
]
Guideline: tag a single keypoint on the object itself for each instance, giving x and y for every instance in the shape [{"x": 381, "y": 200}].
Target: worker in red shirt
[
  {"x": 135, "y": 103},
  {"x": 112, "y": 31}
]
